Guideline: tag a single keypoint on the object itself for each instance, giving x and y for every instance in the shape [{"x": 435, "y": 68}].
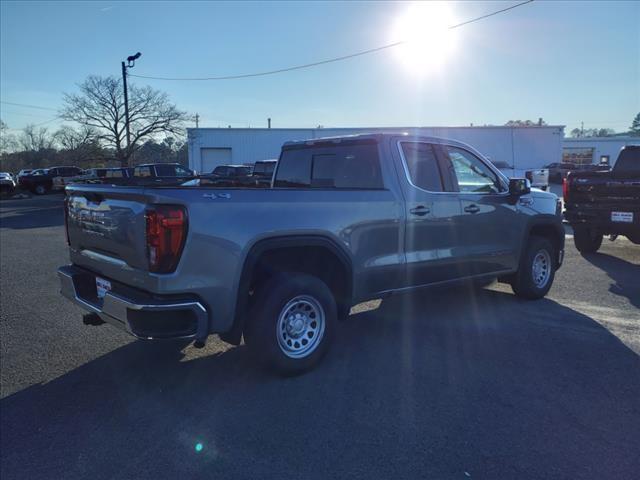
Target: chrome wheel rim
[
  {"x": 541, "y": 268},
  {"x": 300, "y": 326}
]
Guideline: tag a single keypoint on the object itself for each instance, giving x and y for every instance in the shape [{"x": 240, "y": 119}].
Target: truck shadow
[
  {"x": 429, "y": 386},
  {"x": 625, "y": 275}
]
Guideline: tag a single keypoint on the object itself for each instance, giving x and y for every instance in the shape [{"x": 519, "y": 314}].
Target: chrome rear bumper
[{"x": 139, "y": 313}]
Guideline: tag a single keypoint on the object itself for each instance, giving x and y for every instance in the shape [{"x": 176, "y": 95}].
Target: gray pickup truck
[{"x": 345, "y": 220}]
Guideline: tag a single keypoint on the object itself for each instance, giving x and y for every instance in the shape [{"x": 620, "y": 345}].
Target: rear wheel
[
  {"x": 537, "y": 269},
  {"x": 586, "y": 240},
  {"x": 40, "y": 189},
  {"x": 291, "y": 323}
]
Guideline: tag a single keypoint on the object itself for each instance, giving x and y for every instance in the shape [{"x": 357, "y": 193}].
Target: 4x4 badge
[{"x": 213, "y": 196}]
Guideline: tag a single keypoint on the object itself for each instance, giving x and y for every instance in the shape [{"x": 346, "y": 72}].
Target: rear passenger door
[
  {"x": 340, "y": 187},
  {"x": 489, "y": 226},
  {"x": 432, "y": 243}
]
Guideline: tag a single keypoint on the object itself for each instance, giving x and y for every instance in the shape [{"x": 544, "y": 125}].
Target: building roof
[
  {"x": 603, "y": 139},
  {"x": 391, "y": 129}
]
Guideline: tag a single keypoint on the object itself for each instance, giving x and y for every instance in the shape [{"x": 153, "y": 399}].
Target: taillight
[
  {"x": 565, "y": 189},
  {"x": 166, "y": 233},
  {"x": 66, "y": 219}
]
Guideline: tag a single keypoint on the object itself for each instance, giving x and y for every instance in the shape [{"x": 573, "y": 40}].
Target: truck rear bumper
[
  {"x": 138, "y": 313},
  {"x": 600, "y": 220}
]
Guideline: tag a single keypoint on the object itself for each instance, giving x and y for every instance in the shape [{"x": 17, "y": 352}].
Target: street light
[{"x": 131, "y": 61}]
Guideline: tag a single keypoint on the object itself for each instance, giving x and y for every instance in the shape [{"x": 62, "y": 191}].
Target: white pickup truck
[{"x": 539, "y": 177}]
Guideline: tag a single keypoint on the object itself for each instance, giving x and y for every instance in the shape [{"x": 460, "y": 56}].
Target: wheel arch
[
  {"x": 547, "y": 226},
  {"x": 288, "y": 249}
]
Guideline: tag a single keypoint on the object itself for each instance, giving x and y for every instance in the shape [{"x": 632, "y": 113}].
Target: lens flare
[
  {"x": 199, "y": 447},
  {"x": 429, "y": 42}
]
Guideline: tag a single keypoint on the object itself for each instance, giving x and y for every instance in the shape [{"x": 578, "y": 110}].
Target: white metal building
[
  {"x": 521, "y": 147},
  {"x": 596, "y": 149}
]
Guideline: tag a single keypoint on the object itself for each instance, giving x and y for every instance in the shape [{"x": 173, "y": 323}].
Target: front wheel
[
  {"x": 291, "y": 323},
  {"x": 537, "y": 269},
  {"x": 586, "y": 240}
]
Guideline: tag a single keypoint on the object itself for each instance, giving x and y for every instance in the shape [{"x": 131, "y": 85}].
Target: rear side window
[
  {"x": 355, "y": 166},
  {"x": 142, "y": 172},
  {"x": 165, "y": 171},
  {"x": 422, "y": 164},
  {"x": 114, "y": 174}
]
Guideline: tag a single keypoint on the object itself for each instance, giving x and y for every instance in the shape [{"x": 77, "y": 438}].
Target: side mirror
[{"x": 519, "y": 186}]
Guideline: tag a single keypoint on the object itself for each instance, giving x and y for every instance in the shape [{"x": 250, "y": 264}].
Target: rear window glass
[
  {"x": 266, "y": 168},
  {"x": 354, "y": 166},
  {"x": 628, "y": 161},
  {"x": 295, "y": 169}
]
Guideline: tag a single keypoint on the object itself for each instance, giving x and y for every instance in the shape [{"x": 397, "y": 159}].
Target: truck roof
[{"x": 378, "y": 136}]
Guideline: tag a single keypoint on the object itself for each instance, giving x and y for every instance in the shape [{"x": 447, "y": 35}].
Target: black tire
[
  {"x": 524, "y": 284},
  {"x": 266, "y": 335},
  {"x": 40, "y": 189},
  {"x": 586, "y": 240}
]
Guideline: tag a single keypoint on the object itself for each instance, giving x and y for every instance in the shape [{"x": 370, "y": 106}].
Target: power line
[
  {"x": 324, "y": 62},
  {"x": 29, "y": 106}
]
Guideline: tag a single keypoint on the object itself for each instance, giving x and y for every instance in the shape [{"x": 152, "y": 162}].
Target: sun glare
[{"x": 429, "y": 43}]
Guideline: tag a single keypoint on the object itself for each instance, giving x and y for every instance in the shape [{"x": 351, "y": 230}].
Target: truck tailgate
[
  {"x": 604, "y": 189},
  {"x": 108, "y": 224}
]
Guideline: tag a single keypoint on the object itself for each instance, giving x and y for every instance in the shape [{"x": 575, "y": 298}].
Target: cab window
[
  {"x": 470, "y": 173},
  {"x": 422, "y": 166}
]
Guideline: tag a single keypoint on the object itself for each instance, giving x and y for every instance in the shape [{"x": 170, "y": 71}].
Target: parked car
[
  {"x": 159, "y": 173},
  {"x": 539, "y": 177},
  {"x": 42, "y": 181},
  {"x": 22, "y": 173},
  {"x": 228, "y": 175},
  {"x": 7, "y": 183},
  {"x": 347, "y": 219},
  {"x": 263, "y": 172},
  {"x": 100, "y": 174},
  {"x": 599, "y": 203}
]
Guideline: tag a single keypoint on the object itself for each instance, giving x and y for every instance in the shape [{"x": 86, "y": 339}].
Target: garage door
[{"x": 212, "y": 157}]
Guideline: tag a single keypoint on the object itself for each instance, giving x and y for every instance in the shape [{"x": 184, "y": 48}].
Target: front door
[{"x": 490, "y": 223}]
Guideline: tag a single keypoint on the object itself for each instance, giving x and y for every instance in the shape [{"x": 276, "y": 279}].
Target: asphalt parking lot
[{"x": 457, "y": 383}]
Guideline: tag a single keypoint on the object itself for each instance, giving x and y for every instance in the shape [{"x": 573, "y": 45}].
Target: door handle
[
  {"x": 472, "y": 209},
  {"x": 420, "y": 210}
]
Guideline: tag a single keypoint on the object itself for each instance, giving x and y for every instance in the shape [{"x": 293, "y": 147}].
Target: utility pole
[
  {"x": 126, "y": 108},
  {"x": 197, "y": 118},
  {"x": 581, "y": 129},
  {"x": 131, "y": 61},
  {"x": 269, "y": 122}
]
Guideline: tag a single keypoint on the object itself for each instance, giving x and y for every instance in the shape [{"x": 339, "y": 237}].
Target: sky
[{"x": 567, "y": 62}]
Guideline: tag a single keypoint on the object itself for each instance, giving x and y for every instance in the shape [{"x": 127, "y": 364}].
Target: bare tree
[
  {"x": 100, "y": 105},
  {"x": 7, "y": 140},
  {"x": 69, "y": 138},
  {"x": 79, "y": 146},
  {"x": 34, "y": 139}
]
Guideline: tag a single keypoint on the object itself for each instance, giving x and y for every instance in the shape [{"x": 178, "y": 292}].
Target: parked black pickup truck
[
  {"x": 605, "y": 203},
  {"x": 44, "y": 180}
]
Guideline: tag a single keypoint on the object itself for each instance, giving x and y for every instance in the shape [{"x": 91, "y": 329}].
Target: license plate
[
  {"x": 625, "y": 217},
  {"x": 102, "y": 286}
]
